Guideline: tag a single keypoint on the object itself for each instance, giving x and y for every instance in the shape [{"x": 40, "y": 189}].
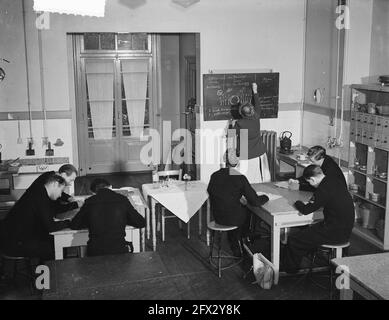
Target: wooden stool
[
  {"x": 332, "y": 251},
  {"x": 219, "y": 229}
]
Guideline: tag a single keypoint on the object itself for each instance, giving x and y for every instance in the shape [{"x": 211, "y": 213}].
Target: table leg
[
  {"x": 153, "y": 224},
  {"x": 147, "y": 216},
  {"x": 275, "y": 251},
  {"x": 208, "y": 220},
  {"x": 58, "y": 249},
  {"x": 142, "y": 231},
  {"x": 200, "y": 221}
]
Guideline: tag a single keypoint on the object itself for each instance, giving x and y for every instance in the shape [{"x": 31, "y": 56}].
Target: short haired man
[
  {"x": 338, "y": 208},
  {"x": 318, "y": 156},
  {"x": 65, "y": 203},
  {"x": 29, "y": 223},
  {"x": 226, "y": 189},
  {"x": 106, "y": 214}
]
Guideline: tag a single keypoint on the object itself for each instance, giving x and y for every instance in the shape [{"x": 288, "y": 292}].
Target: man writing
[
  {"x": 106, "y": 215},
  {"x": 338, "y": 208},
  {"x": 65, "y": 203},
  {"x": 28, "y": 225}
]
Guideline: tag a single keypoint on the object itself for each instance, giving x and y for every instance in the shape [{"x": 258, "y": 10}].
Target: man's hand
[
  {"x": 80, "y": 202},
  {"x": 255, "y": 88},
  {"x": 294, "y": 184},
  {"x": 299, "y": 205},
  {"x": 243, "y": 201}
]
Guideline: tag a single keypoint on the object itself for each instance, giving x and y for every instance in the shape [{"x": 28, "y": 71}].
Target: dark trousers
[
  {"x": 42, "y": 249},
  {"x": 235, "y": 236},
  {"x": 308, "y": 239}
]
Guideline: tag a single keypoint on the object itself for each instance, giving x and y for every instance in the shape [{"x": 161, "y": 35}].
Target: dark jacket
[
  {"x": 62, "y": 204},
  {"x": 106, "y": 215},
  {"x": 225, "y": 190},
  {"x": 31, "y": 219},
  {"x": 338, "y": 208},
  {"x": 256, "y": 147},
  {"x": 330, "y": 169}
]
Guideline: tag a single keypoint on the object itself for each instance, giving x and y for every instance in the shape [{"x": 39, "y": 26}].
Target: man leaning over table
[
  {"x": 65, "y": 203},
  {"x": 27, "y": 227},
  {"x": 106, "y": 214},
  {"x": 226, "y": 189},
  {"x": 338, "y": 209}
]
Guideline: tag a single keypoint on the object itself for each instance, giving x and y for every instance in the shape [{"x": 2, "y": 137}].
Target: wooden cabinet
[{"x": 368, "y": 162}]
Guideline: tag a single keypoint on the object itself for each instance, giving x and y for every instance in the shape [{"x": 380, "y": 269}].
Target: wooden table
[
  {"x": 368, "y": 275},
  {"x": 74, "y": 238},
  {"x": 291, "y": 159},
  {"x": 281, "y": 214},
  {"x": 151, "y": 193}
]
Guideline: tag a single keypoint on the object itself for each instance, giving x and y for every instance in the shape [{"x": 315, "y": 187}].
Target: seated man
[
  {"x": 226, "y": 189},
  {"x": 338, "y": 208},
  {"x": 106, "y": 215},
  {"x": 27, "y": 227},
  {"x": 65, "y": 203},
  {"x": 317, "y": 155}
]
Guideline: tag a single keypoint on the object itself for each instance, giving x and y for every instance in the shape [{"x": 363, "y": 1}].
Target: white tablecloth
[{"x": 182, "y": 203}]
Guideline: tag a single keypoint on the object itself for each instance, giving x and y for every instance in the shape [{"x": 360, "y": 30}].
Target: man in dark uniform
[
  {"x": 106, "y": 215},
  {"x": 330, "y": 168},
  {"x": 338, "y": 208},
  {"x": 226, "y": 189},
  {"x": 27, "y": 227},
  {"x": 65, "y": 203}
]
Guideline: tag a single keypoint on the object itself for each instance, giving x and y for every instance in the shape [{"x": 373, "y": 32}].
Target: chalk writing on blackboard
[{"x": 224, "y": 93}]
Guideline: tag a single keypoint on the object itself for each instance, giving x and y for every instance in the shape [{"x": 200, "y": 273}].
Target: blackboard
[{"x": 224, "y": 93}]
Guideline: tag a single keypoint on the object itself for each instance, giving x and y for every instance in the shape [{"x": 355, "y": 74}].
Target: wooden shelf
[
  {"x": 369, "y": 175},
  {"x": 371, "y": 87},
  {"x": 368, "y": 200},
  {"x": 368, "y": 235}
]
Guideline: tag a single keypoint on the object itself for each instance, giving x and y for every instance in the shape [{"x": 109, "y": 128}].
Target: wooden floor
[{"x": 195, "y": 279}]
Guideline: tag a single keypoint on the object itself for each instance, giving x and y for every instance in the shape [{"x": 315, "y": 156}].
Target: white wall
[{"x": 244, "y": 34}]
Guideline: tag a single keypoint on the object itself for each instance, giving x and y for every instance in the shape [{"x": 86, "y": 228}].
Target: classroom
[{"x": 194, "y": 150}]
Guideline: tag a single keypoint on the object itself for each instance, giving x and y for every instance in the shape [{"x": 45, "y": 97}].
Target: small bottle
[{"x": 155, "y": 174}]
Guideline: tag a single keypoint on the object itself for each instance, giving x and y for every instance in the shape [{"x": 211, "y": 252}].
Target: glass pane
[
  {"x": 140, "y": 41},
  {"x": 107, "y": 41},
  {"x": 100, "y": 99},
  {"x": 133, "y": 41},
  {"x": 124, "y": 41},
  {"x": 91, "y": 41}
]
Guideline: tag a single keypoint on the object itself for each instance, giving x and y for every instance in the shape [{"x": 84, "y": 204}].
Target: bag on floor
[{"x": 263, "y": 271}]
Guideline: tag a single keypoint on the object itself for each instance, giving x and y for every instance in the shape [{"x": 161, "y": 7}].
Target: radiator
[{"x": 269, "y": 138}]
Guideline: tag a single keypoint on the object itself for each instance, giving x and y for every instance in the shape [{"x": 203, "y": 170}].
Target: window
[{"x": 134, "y": 42}]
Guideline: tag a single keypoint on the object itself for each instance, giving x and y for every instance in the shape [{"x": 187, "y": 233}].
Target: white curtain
[
  {"x": 100, "y": 88},
  {"x": 135, "y": 75}
]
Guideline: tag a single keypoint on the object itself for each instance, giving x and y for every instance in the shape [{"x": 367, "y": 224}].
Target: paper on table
[
  {"x": 282, "y": 184},
  {"x": 271, "y": 196},
  {"x": 137, "y": 200}
]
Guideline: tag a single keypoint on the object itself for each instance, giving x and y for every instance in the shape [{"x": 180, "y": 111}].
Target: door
[
  {"x": 114, "y": 109},
  {"x": 190, "y": 112}
]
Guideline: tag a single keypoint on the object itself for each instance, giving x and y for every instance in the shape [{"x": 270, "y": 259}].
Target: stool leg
[
  {"x": 211, "y": 246},
  {"x": 330, "y": 255},
  {"x": 163, "y": 221},
  {"x": 219, "y": 254}
]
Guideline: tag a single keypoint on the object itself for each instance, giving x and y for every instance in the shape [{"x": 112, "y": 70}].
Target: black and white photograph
[{"x": 194, "y": 156}]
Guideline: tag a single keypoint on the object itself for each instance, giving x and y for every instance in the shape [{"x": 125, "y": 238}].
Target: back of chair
[{"x": 170, "y": 173}]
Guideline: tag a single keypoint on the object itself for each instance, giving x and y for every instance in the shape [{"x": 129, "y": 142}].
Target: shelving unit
[{"x": 369, "y": 161}]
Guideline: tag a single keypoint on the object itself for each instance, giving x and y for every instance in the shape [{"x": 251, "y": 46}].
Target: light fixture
[
  {"x": 185, "y": 3},
  {"x": 94, "y": 8}
]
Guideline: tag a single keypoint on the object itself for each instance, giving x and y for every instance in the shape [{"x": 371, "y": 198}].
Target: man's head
[
  {"x": 247, "y": 110},
  {"x": 316, "y": 154},
  {"x": 230, "y": 158},
  {"x": 314, "y": 175},
  {"x": 55, "y": 185},
  {"x": 68, "y": 172},
  {"x": 99, "y": 184}
]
